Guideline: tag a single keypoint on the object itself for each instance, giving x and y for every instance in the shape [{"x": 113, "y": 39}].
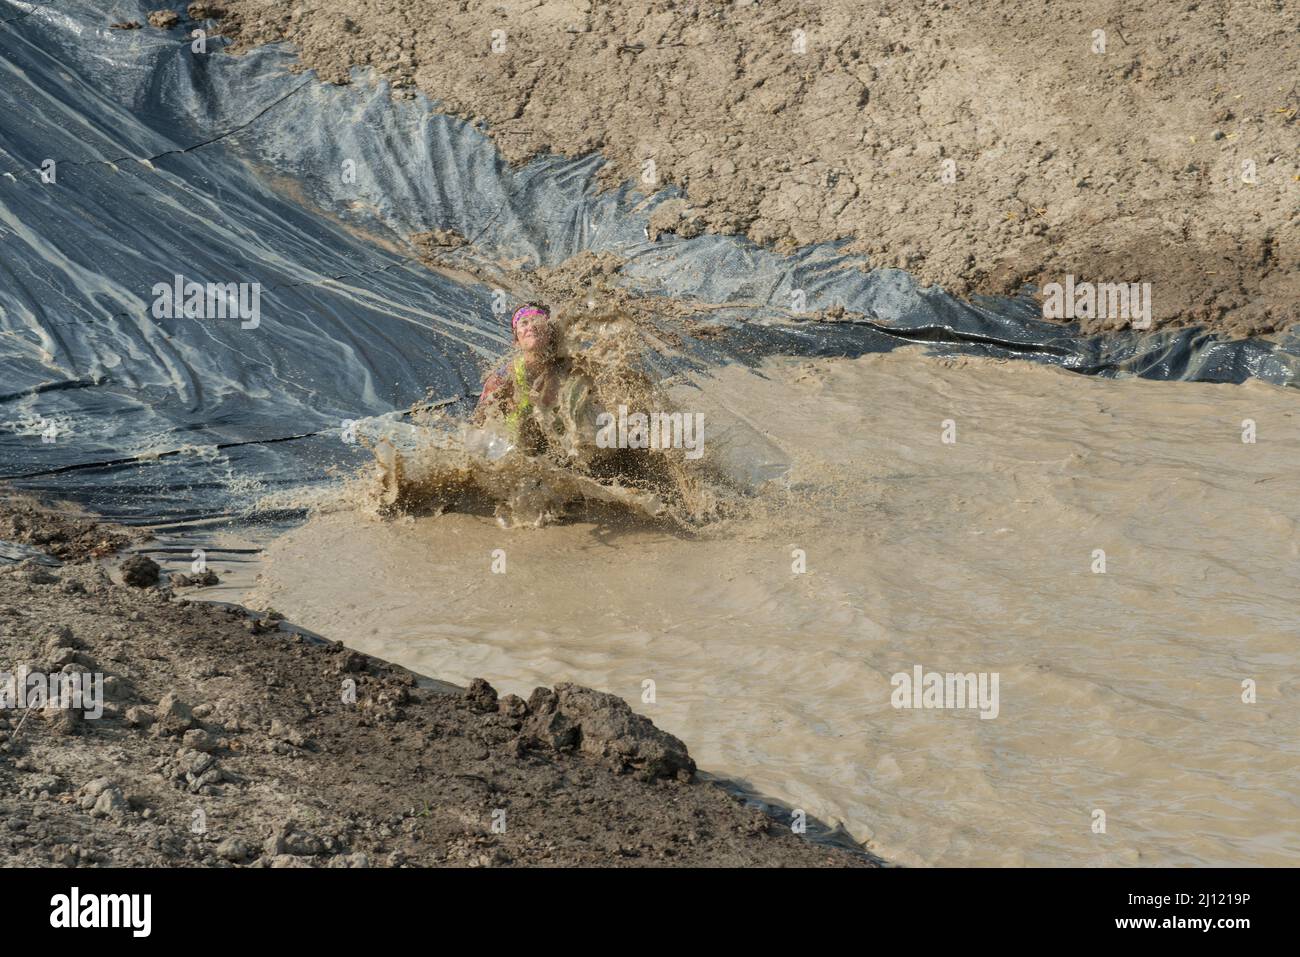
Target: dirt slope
[{"x": 1162, "y": 149}]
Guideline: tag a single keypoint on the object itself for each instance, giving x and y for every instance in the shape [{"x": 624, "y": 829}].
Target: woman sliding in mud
[
  {"x": 531, "y": 448},
  {"x": 544, "y": 404},
  {"x": 549, "y": 401}
]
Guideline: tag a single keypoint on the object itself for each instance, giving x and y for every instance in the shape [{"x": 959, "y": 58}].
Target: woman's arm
[{"x": 497, "y": 388}]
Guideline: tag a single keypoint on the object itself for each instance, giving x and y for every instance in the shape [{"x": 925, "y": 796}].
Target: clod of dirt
[
  {"x": 513, "y": 706},
  {"x": 140, "y": 571},
  {"x": 233, "y": 850},
  {"x": 62, "y": 636},
  {"x": 139, "y": 717},
  {"x": 88, "y": 795},
  {"x": 481, "y": 696},
  {"x": 63, "y": 533},
  {"x": 62, "y": 720},
  {"x": 429, "y": 244},
  {"x": 604, "y": 727},
  {"x": 172, "y": 715},
  {"x": 204, "y": 579},
  {"x": 287, "y": 734},
  {"x": 197, "y": 739},
  {"x": 289, "y": 838},
  {"x": 193, "y": 771},
  {"x": 109, "y": 803},
  {"x": 676, "y": 217}
]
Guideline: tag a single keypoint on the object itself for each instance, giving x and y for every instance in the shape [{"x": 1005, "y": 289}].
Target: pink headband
[{"x": 523, "y": 312}]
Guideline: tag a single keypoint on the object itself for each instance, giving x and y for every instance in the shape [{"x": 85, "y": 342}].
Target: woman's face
[{"x": 533, "y": 333}]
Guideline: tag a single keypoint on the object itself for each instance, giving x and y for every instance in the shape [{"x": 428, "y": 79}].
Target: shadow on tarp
[{"x": 232, "y": 169}]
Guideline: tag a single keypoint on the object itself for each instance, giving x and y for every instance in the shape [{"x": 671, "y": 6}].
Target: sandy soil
[
  {"x": 1169, "y": 158},
  {"x": 225, "y": 741}
]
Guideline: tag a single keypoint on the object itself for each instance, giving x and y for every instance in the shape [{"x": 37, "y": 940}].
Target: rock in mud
[
  {"x": 61, "y": 636},
  {"x": 203, "y": 580},
  {"x": 481, "y": 696},
  {"x": 513, "y": 706},
  {"x": 65, "y": 855},
  {"x": 140, "y": 571},
  {"x": 282, "y": 732},
  {"x": 674, "y": 216},
  {"x": 109, "y": 803},
  {"x": 604, "y": 727},
  {"x": 542, "y": 700},
  {"x": 62, "y": 720},
  {"x": 46, "y": 783},
  {"x": 56, "y": 657},
  {"x": 352, "y": 662},
  {"x": 205, "y": 11},
  {"x": 285, "y": 860},
  {"x": 139, "y": 717},
  {"x": 192, "y": 771},
  {"x": 291, "y": 839},
  {"x": 234, "y": 850},
  {"x": 172, "y": 715},
  {"x": 430, "y": 242},
  {"x": 199, "y": 740},
  {"x": 89, "y": 792}
]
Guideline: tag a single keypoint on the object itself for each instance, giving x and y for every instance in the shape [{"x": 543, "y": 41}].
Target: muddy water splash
[
  {"x": 1120, "y": 691},
  {"x": 431, "y": 462}
]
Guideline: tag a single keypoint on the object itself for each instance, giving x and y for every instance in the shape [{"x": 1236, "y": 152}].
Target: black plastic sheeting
[{"x": 232, "y": 169}]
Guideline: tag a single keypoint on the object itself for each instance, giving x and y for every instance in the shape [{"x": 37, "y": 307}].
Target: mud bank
[
  {"x": 27, "y": 528},
  {"x": 226, "y": 741},
  {"x": 979, "y": 146}
]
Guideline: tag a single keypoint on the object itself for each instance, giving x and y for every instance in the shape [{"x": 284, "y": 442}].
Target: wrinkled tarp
[
  {"x": 232, "y": 169},
  {"x": 13, "y": 552}
]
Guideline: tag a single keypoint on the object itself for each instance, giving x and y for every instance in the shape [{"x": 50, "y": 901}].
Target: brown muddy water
[{"x": 1120, "y": 692}]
